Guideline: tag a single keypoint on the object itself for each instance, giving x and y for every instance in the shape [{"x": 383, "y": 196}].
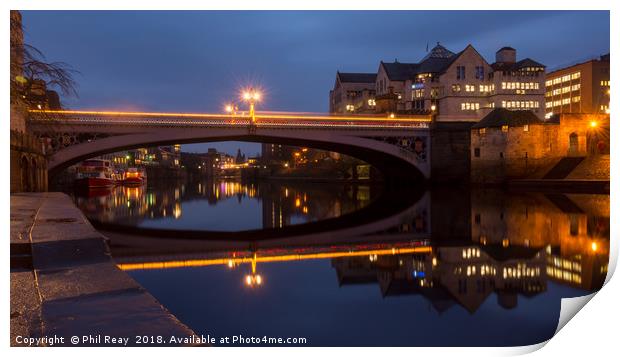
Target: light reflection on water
[
  {"x": 480, "y": 267},
  {"x": 222, "y": 205}
]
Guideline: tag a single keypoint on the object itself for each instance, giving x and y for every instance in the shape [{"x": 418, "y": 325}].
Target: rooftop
[
  {"x": 397, "y": 71},
  {"x": 440, "y": 58},
  {"x": 602, "y": 58},
  {"x": 499, "y": 117},
  {"x": 438, "y": 52},
  {"x": 526, "y": 62},
  {"x": 357, "y": 77}
]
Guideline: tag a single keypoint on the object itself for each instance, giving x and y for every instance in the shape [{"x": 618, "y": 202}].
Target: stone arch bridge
[{"x": 398, "y": 146}]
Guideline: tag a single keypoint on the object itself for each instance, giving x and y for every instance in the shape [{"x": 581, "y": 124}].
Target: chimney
[{"x": 506, "y": 55}]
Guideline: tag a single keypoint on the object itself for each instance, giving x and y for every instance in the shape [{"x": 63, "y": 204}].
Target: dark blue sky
[{"x": 196, "y": 61}]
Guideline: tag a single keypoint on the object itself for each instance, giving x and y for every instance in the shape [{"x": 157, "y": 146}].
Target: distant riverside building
[
  {"x": 276, "y": 153},
  {"x": 353, "y": 93},
  {"x": 461, "y": 86},
  {"x": 582, "y": 88}
]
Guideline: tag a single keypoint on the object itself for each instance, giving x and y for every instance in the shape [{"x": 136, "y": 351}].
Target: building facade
[
  {"x": 461, "y": 87},
  {"x": 582, "y": 88},
  {"x": 353, "y": 93},
  {"x": 517, "y": 144}
]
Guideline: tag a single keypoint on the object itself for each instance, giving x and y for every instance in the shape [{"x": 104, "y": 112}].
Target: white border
[{"x": 590, "y": 332}]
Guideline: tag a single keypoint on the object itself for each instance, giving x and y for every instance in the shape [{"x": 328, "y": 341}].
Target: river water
[{"x": 355, "y": 264}]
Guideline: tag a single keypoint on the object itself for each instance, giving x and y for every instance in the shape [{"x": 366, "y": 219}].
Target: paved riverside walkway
[{"x": 64, "y": 282}]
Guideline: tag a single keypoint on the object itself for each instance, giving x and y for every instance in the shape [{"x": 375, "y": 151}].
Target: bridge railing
[{"x": 223, "y": 120}]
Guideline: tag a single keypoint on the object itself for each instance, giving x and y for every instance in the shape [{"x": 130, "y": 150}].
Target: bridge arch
[{"x": 394, "y": 161}]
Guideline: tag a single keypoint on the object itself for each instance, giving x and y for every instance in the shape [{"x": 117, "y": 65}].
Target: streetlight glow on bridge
[
  {"x": 58, "y": 114},
  {"x": 270, "y": 259}
]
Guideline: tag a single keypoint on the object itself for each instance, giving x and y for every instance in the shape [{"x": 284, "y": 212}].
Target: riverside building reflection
[
  {"x": 517, "y": 244},
  {"x": 275, "y": 205},
  {"x": 472, "y": 259}
]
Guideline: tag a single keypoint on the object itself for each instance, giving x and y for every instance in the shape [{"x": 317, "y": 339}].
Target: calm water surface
[
  {"x": 459, "y": 267},
  {"x": 223, "y": 205}
]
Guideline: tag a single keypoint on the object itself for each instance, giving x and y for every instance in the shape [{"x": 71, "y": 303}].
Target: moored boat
[
  {"x": 94, "y": 173},
  {"x": 134, "y": 177}
]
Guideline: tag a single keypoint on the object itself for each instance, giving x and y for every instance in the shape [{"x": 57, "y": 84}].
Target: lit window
[
  {"x": 482, "y": 131},
  {"x": 526, "y": 127},
  {"x": 418, "y": 93},
  {"x": 456, "y": 87},
  {"x": 505, "y": 128},
  {"x": 485, "y": 88},
  {"x": 470, "y": 106}
]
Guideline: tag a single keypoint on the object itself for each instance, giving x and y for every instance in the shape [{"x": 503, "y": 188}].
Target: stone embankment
[{"x": 64, "y": 282}]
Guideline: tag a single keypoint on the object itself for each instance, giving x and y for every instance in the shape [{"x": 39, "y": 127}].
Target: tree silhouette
[{"x": 31, "y": 74}]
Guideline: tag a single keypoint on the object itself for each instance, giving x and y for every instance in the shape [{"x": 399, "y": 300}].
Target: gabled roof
[
  {"x": 436, "y": 65},
  {"x": 526, "y": 62},
  {"x": 357, "y": 77},
  {"x": 441, "y": 65},
  {"x": 397, "y": 71},
  {"x": 501, "y": 116},
  {"x": 438, "y": 60},
  {"x": 438, "y": 52}
]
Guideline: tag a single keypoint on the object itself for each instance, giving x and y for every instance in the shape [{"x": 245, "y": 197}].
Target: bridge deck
[{"x": 73, "y": 117}]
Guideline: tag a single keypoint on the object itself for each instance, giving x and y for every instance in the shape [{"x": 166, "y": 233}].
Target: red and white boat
[
  {"x": 134, "y": 177},
  {"x": 95, "y": 173}
]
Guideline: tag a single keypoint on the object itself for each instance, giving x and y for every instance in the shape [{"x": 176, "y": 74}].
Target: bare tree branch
[{"x": 31, "y": 74}]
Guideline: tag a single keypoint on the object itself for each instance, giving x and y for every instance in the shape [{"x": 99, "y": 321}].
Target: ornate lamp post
[
  {"x": 252, "y": 96},
  {"x": 231, "y": 108}
]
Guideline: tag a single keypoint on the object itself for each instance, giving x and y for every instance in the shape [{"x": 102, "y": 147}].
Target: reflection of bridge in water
[
  {"x": 511, "y": 246},
  {"x": 282, "y": 204}
]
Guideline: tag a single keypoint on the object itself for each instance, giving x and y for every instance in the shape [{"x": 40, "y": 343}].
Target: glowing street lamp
[{"x": 252, "y": 96}]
